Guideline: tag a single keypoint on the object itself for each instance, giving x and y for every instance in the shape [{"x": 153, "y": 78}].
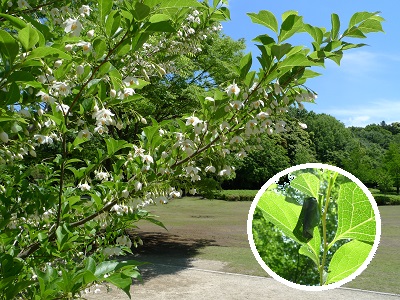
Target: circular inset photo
[{"x": 314, "y": 227}]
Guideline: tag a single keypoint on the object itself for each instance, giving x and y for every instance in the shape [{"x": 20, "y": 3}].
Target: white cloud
[{"x": 368, "y": 113}]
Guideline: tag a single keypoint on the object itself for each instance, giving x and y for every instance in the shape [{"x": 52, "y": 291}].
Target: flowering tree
[{"x": 72, "y": 73}]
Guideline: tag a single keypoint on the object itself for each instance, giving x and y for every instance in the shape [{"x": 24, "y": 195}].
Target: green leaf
[
  {"x": 266, "y": 18},
  {"x": 316, "y": 33},
  {"x": 335, "y": 21},
  {"x": 359, "y": 17},
  {"x": 141, "y": 11},
  {"x": 104, "y": 9},
  {"x": 100, "y": 47},
  {"x": 306, "y": 183},
  {"x": 42, "y": 52},
  {"x": 160, "y": 23},
  {"x": 312, "y": 248},
  {"x": 16, "y": 22},
  {"x": 20, "y": 76},
  {"x": 112, "y": 23},
  {"x": 347, "y": 259},
  {"x": 298, "y": 59},
  {"x": 356, "y": 218},
  {"x": 291, "y": 25},
  {"x": 280, "y": 51},
  {"x": 114, "y": 146},
  {"x": 8, "y": 46},
  {"x": 245, "y": 65},
  {"x": 121, "y": 281},
  {"x": 370, "y": 26},
  {"x": 280, "y": 212},
  {"x": 28, "y": 37}
]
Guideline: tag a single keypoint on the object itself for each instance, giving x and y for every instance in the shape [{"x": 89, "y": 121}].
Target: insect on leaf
[{"x": 308, "y": 219}]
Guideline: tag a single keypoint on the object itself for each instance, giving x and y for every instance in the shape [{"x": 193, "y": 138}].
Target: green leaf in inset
[
  {"x": 114, "y": 146},
  {"x": 8, "y": 46},
  {"x": 283, "y": 214},
  {"x": 356, "y": 218},
  {"x": 266, "y": 18},
  {"x": 160, "y": 23},
  {"x": 370, "y": 25},
  {"x": 347, "y": 259},
  {"x": 280, "y": 50},
  {"x": 313, "y": 247},
  {"x": 104, "y": 9},
  {"x": 28, "y": 37},
  {"x": 121, "y": 281},
  {"x": 335, "y": 26},
  {"x": 316, "y": 33},
  {"x": 291, "y": 25},
  {"x": 307, "y": 183},
  {"x": 16, "y": 22}
]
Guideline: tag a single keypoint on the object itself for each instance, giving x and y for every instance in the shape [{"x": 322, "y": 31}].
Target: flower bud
[
  {"x": 68, "y": 47},
  {"x": 113, "y": 93},
  {"x": 58, "y": 63},
  {"x": 143, "y": 120},
  {"x": 4, "y": 137},
  {"x": 90, "y": 33},
  {"x": 79, "y": 70}
]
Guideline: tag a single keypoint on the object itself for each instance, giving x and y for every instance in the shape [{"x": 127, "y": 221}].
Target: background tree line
[{"x": 371, "y": 153}]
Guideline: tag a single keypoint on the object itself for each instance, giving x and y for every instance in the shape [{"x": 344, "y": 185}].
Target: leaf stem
[{"x": 332, "y": 179}]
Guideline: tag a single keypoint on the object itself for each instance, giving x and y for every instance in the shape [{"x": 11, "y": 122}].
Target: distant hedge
[
  {"x": 385, "y": 199},
  {"x": 235, "y": 195}
]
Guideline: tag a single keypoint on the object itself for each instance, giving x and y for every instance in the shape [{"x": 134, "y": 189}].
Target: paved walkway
[{"x": 163, "y": 281}]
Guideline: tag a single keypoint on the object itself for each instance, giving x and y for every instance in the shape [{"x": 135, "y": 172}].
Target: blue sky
[{"x": 365, "y": 88}]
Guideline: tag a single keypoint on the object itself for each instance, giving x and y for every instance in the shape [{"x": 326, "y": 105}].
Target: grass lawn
[{"x": 217, "y": 230}]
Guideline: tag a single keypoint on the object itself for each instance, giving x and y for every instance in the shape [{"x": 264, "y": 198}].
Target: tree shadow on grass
[{"x": 167, "y": 253}]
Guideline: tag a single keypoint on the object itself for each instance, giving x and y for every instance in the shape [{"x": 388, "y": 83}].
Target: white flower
[
  {"x": 84, "y": 187},
  {"x": 84, "y": 10},
  {"x": 4, "y": 137},
  {"x": 277, "y": 88},
  {"x": 236, "y": 140},
  {"x": 161, "y": 199},
  {"x": 193, "y": 191},
  {"x": 210, "y": 99},
  {"x": 210, "y": 169},
  {"x": 257, "y": 104},
  {"x": 124, "y": 241},
  {"x": 233, "y": 89},
  {"x": 224, "y": 125},
  {"x": 113, "y": 93},
  {"x": 96, "y": 291},
  {"x": 193, "y": 121},
  {"x": 126, "y": 93},
  {"x": 175, "y": 194},
  {"x": 138, "y": 186},
  {"x": 148, "y": 159},
  {"x": 86, "y": 46},
  {"x": 46, "y": 98},
  {"x": 262, "y": 115},
  {"x": 128, "y": 81},
  {"x": 25, "y": 113},
  {"x": 23, "y": 4},
  {"x": 138, "y": 151},
  {"x": 64, "y": 108},
  {"x": 85, "y": 134},
  {"x": 101, "y": 175},
  {"x": 110, "y": 251},
  {"x": 61, "y": 88},
  {"x": 119, "y": 125},
  {"x": 42, "y": 139},
  {"x": 73, "y": 26},
  {"x": 125, "y": 193},
  {"x": 303, "y": 126},
  {"x": 237, "y": 104},
  {"x": 100, "y": 129}
]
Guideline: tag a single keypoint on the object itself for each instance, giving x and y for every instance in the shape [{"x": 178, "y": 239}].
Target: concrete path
[{"x": 163, "y": 281}]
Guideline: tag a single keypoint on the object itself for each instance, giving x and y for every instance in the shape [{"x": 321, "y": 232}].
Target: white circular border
[{"x": 273, "y": 180}]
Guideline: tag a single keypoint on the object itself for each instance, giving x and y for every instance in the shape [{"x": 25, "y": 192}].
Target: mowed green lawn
[{"x": 221, "y": 226}]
